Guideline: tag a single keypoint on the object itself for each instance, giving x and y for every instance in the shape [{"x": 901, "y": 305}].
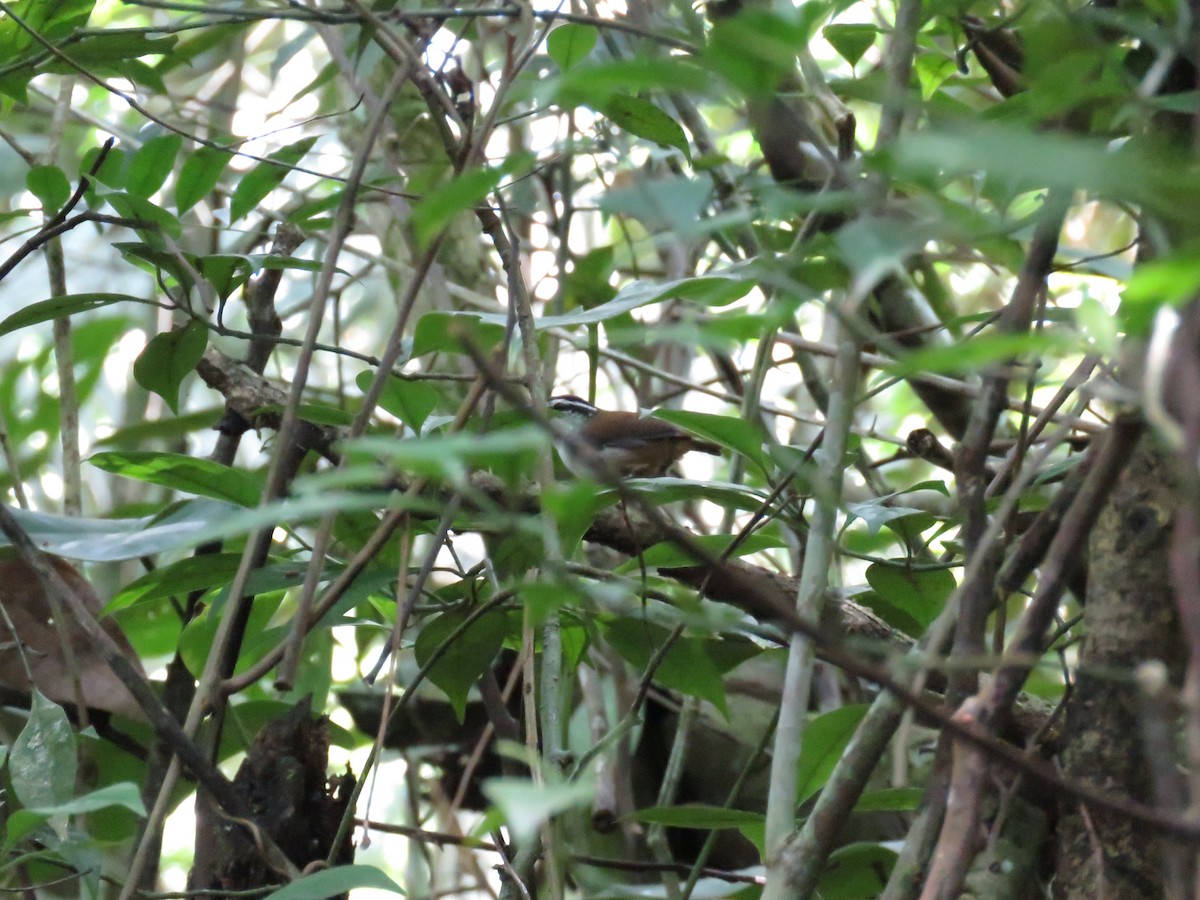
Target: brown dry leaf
[{"x": 25, "y": 602}]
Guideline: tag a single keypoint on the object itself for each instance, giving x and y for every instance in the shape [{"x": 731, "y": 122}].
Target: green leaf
[
  {"x": 692, "y": 665},
  {"x": 332, "y": 882},
  {"x": 890, "y": 800},
  {"x": 226, "y": 272},
  {"x": 1171, "y": 281},
  {"x": 729, "y": 431},
  {"x": 667, "y": 553},
  {"x": 172, "y": 428},
  {"x": 587, "y": 284},
  {"x": 697, "y": 816},
  {"x": 674, "y": 203},
  {"x": 181, "y": 472},
  {"x": 179, "y": 526},
  {"x": 870, "y": 245},
  {"x": 707, "y": 290},
  {"x": 119, "y": 46},
  {"x": 507, "y": 452},
  {"x": 265, "y": 177},
  {"x": 645, "y": 120},
  {"x": 49, "y": 185},
  {"x": 983, "y": 350},
  {"x": 409, "y": 401},
  {"x": 572, "y": 505},
  {"x": 169, "y": 358},
  {"x": 317, "y": 413},
  {"x": 193, "y": 573},
  {"x": 125, "y": 794},
  {"x": 200, "y": 173},
  {"x": 919, "y": 593},
  {"x": 851, "y": 41},
  {"x": 526, "y": 806},
  {"x": 825, "y": 739},
  {"x": 568, "y": 44},
  {"x": 435, "y": 210},
  {"x": 440, "y": 332},
  {"x": 43, "y": 761},
  {"x": 131, "y": 206},
  {"x": 467, "y": 657},
  {"x": 856, "y": 871},
  {"x": 667, "y": 490},
  {"x": 880, "y": 511},
  {"x": 111, "y": 171},
  {"x": 593, "y": 84},
  {"x": 202, "y": 573},
  {"x": 60, "y": 308},
  {"x": 151, "y": 164},
  {"x": 756, "y": 49}
]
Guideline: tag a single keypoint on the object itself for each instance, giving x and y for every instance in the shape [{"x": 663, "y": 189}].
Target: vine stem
[{"x": 814, "y": 578}]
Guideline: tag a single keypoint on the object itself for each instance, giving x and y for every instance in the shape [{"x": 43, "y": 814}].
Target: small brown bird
[{"x": 629, "y": 444}]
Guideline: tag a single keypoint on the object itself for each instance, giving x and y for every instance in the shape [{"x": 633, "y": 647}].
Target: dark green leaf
[
  {"x": 730, "y": 431},
  {"x": 317, "y": 413},
  {"x": 49, "y": 185},
  {"x": 593, "y": 84},
  {"x": 755, "y": 50},
  {"x": 118, "y": 46},
  {"x": 409, "y": 401},
  {"x": 111, "y": 171},
  {"x": 169, "y": 358},
  {"x": 151, "y": 164},
  {"x": 527, "y": 806},
  {"x": 645, "y": 120},
  {"x": 921, "y": 593},
  {"x": 225, "y": 272},
  {"x": 265, "y": 177},
  {"x": 170, "y": 428},
  {"x": 131, "y": 206},
  {"x": 435, "y": 210},
  {"x": 983, "y": 350},
  {"x": 179, "y": 526},
  {"x": 158, "y": 261},
  {"x": 439, "y": 332},
  {"x": 332, "y": 882},
  {"x": 194, "y": 573},
  {"x": 200, "y": 173},
  {"x": 568, "y": 44},
  {"x": 851, "y": 41},
  {"x": 668, "y": 554},
  {"x": 890, "y": 800},
  {"x": 60, "y": 308},
  {"x": 697, "y": 816},
  {"x": 505, "y": 452},
  {"x": 673, "y": 203},
  {"x": 880, "y": 511},
  {"x": 709, "y": 290},
  {"x": 43, "y": 761},
  {"x": 124, "y": 795},
  {"x": 723, "y": 493},
  {"x": 572, "y": 505},
  {"x": 692, "y": 665},
  {"x": 587, "y": 284},
  {"x": 180, "y": 472},
  {"x": 825, "y": 739},
  {"x": 201, "y": 573},
  {"x": 856, "y": 872},
  {"x": 467, "y": 656}
]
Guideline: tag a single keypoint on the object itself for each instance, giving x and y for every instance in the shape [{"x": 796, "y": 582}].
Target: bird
[{"x": 626, "y": 443}]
